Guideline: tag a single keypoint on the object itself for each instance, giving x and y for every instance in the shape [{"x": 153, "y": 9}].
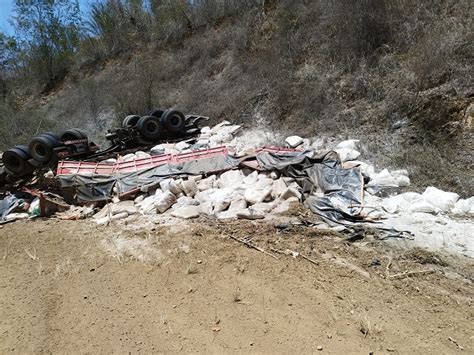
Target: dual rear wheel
[
  {"x": 21, "y": 159},
  {"x": 154, "y": 125}
]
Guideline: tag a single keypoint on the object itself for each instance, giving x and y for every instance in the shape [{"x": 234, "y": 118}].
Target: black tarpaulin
[
  {"x": 93, "y": 188},
  {"x": 337, "y": 193}
]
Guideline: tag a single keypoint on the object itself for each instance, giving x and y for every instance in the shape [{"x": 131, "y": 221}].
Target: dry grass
[{"x": 307, "y": 68}]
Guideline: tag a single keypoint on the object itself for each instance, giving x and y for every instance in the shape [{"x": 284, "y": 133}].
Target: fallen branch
[
  {"x": 411, "y": 273},
  {"x": 7, "y": 250},
  {"x": 294, "y": 254},
  {"x": 32, "y": 255},
  {"x": 455, "y": 343},
  {"x": 252, "y": 246},
  {"x": 387, "y": 269}
]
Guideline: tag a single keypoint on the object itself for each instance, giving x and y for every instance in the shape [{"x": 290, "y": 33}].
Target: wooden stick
[
  {"x": 292, "y": 252},
  {"x": 252, "y": 246},
  {"x": 412, "y": 273},
  {"x": 387, "y": 269}
]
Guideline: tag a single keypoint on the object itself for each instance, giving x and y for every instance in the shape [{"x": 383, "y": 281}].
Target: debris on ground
[{"x": 215, "y": 175}]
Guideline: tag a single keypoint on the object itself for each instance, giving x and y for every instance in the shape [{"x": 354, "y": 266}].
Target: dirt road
[{"x": 74, "y": 287}]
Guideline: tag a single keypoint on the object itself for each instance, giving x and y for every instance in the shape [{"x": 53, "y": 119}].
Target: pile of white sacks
[{"x": 247, "y": 194}]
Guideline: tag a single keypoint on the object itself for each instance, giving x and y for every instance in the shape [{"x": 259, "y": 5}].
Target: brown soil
[{"x": 74, "y": 287}]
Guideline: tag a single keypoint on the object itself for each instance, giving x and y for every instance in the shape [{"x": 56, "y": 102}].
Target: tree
[{"x": 49, "y": 32}]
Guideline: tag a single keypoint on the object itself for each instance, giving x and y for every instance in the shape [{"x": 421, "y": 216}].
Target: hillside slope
[{"x": 398, "y": 77}]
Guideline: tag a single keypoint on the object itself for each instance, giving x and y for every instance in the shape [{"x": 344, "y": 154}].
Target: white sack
[
  {"x": 253, "y": 195},
  {"x": 186, "y": 212},
  {"x": 293, "y": 141},
  {"x": 189, "y": 187},
  {"x": 463, "y": 206},
  {"x": 346, "y": 154},
  {"x": 207, "y": 183},
  {"x": 250, "y": 213},
  {"x": 165, "y": 201},
  {"x": 231, "y": 178},
  {"x": 441, "y": 199},
  {"x": 349, "y": 144}
]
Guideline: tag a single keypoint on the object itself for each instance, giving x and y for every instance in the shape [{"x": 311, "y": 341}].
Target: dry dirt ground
[{"x": 75, "y": 287}]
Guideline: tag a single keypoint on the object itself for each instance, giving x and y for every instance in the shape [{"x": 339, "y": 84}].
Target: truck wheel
[
  {"x": 54, "y": 136},
  {"x": 81, "y": 133},
  {"x": 16, "y": 161},
  {"x": 157, "y": 113},
  {"x": 71, "y": 135},
  {"x": 149, "y": 127},
  {"x": 174, "y": 121},
  {"x": 41, "y": 148},
  {"x": 131, "y": 120}
]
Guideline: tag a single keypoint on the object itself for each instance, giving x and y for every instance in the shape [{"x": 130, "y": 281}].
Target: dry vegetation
[{"x": 396, "y": 74}]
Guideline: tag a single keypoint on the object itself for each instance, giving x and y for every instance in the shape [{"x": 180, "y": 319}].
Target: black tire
[
  {"x": 174, "y": 121},
  {"x": 16, "y": 159},
  {"x": 71, "y": 135},
  {"x": 157, "y": 113},
  {"x": 52, "y": 135},
  {"x": 41, "y": 148},
  {"x": 131, "y": 120},
  {"x": 81, "y": 133},
  {"x": 150, "y": 127}
]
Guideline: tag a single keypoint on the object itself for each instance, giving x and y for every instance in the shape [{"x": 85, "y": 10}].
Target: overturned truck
[{"x": 46, "y": 149}]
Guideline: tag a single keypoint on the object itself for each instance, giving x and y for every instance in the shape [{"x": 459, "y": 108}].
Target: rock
[
  {"x": 320, "y": 348},
  {"x": 398, "y": 124},
  {"x": 186, "y": 212},
  {"x": 293, "y": 141},
  {"x": 251, "y": 214}
]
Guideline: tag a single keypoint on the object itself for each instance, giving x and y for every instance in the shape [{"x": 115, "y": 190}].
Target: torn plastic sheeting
[
  {"x": 89, "y": 188},
  {"x": 343, "y": 188},
  {"x": 7, "y": 205}
]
